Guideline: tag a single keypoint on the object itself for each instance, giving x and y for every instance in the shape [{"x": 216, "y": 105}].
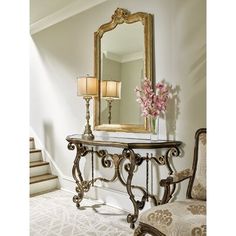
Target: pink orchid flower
[{"x": 151, "y": 103}]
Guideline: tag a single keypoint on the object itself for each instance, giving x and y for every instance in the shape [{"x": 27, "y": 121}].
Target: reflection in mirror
[
  {"x": 123, "y": 55},
  {"x": 111, "y": 90}
]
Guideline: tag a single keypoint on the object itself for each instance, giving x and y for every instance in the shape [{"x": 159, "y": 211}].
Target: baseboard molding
[{"x": 111, "y": 197}]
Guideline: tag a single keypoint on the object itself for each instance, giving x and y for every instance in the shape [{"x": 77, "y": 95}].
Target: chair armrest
[
  {"x": 177, "y": 177},
  {"x": 182, "y": 175},
  {"x": 170, "y": 182}
]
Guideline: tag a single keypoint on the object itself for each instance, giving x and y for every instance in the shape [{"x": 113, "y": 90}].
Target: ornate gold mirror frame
[{"x": 119, "y": 17}]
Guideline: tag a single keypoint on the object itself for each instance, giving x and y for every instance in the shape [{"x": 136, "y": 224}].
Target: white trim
[
  {"x": 124, "y": 58},
  {"x": 132, "y": 57},
  {"x": 72, "y": 9},
  {"x": 109, "y": 196},
  {"x": 112, "y": 56}
]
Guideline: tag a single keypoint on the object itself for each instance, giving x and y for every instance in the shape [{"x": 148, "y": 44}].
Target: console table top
[{"x": 129, "y": 143}]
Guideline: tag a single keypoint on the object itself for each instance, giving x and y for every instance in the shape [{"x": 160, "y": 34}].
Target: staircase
[{"x": 41, "y": 179}]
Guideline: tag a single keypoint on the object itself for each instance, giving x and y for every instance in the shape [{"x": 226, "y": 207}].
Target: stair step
[
  {"x": 39, "y": 168},
  {"x": 41, "y": 178},
  {"x": 43, "y": 183},
  {"x": 38, "y": 163},
  {"x": 43, "y": 192},
  {"x": 35, "y": 155},
  {"x": 35, "y": 150}
]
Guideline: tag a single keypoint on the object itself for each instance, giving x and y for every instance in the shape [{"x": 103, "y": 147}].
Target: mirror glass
[{"x": 122, "y": 59}]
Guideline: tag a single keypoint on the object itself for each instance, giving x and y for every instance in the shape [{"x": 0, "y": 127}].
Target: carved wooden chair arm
[
  {"x": 170, "y": 183},
  {"x": 177, "y": 177}
]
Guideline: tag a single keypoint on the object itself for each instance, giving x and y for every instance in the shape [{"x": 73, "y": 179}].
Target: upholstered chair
[{"x": 182, "y": 218}]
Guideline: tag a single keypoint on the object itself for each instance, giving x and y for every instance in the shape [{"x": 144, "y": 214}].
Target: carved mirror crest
[{"x": 123, "y": 58}]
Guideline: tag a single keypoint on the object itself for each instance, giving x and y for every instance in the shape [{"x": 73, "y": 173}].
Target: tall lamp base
[
  {"x": 109, "y": 101},
  {"x": 88, "y": 135}
]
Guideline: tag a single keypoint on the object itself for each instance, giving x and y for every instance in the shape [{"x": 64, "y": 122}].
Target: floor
[{"x": 54, "y": 214}]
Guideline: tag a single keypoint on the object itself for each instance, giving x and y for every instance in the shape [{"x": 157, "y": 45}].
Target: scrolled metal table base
[{"x": 116, "y": 160}]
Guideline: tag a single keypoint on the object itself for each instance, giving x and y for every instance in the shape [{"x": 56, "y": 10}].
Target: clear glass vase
[{"x": 153, "y": 124}]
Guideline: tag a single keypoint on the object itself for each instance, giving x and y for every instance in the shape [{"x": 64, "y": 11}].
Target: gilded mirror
[{"x": 123, "y": 58}]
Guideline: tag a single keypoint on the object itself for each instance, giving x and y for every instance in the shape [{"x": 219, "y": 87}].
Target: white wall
[{"x": 65, "y": 50}]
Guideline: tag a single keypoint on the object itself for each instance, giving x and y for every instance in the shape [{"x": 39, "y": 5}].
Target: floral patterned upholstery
[
  {"x": 180, "y": 218},
  {"x": 199, "y": 184},
  {"x": 178, "y": 176}
]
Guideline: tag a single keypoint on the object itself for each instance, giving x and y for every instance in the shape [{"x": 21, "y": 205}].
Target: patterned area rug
[{"x": 55, "y": 214}]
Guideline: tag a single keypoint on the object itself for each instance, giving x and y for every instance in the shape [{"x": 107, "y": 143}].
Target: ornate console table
[{"x": 134, "y": 159}]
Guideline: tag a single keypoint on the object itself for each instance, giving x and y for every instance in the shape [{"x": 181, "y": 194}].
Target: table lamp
[
  {"x": 87, "y": 86},
  {"x": 111, "y": 90}
]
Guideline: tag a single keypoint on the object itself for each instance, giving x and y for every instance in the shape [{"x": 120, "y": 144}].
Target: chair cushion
[
  {"x": 199, "y": 184},
  {"x": 182, "y": 218}
]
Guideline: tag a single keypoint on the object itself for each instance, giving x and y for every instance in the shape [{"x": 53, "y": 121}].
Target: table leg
[
  {"x": 130, "y": 155},
  {"x": 82, "y": 185}
]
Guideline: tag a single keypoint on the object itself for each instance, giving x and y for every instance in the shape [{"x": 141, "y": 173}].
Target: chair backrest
[{"x": 197, "y": 183}]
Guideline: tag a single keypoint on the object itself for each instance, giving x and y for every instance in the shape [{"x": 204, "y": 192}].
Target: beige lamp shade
[
  {"x": 87, "y": 86},
  {"x": 111, "y": 89}
]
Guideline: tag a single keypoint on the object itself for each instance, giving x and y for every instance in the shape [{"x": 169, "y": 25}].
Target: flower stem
[{"x": 153, "y": 125}]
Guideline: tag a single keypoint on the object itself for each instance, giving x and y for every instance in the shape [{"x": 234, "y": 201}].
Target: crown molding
[
  {"x": 112, "y": 56},
  {"x": 132, "y": 57},
  {"x": 70, "y": 10},
  {"x": 125, "y": 58}
]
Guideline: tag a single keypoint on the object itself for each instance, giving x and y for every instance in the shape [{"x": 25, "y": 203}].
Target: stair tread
[
  {"x": 40, "y": 178},
  {"x": 34, "y": 150},
  {"x": 31, "y": 139},
  {"x": 38, "y": 163},
  {"x": 43, "y": 192}
]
